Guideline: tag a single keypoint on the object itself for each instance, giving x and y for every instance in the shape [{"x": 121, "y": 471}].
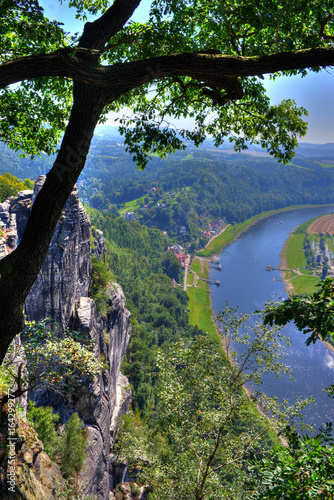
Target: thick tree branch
[
  {"x": 98, "y": 33},
  {"x": 323, "y": 26},
  {"x": 209, "y": 67},
  {"x": 94, "y": 87}
]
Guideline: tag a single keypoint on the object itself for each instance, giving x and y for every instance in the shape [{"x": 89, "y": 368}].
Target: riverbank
[
  {"x": 284, "y": 265},
  {"x": 245, "y": 283},
  {"x": 231, "y": 232},
  {"x": 289, "y": 288},
  {"x": 295, "y": 273},
  {"x": 200, "y": 305},
  {"x": 202, "y": 315},
  {"x": 295, "y": 278}
]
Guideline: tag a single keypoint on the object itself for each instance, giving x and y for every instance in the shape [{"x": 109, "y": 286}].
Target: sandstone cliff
[{"x": 61, "y": 293}]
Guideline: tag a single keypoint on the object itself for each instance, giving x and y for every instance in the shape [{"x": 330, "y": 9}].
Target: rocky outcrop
[
  {"x": 14, "y": 214},
  {"x": 65, "y": 274},
  {"x": 101, "y": 404},
  {"x": 61, "y": 293},
  {"x": 37, "y": 477},
  {"x": 99, "y": 245},
  {"x": 30, "y": 473}
]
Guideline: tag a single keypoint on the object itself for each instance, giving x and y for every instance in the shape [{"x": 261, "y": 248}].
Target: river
[{"x": 246, "y": 283}]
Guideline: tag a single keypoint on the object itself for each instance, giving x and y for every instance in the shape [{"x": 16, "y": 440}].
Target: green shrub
[
  {"x": 71, "y": 447},
  {"x": 135, "y": 490},
  {"x": 44, "y": 421},
  {"x": 99, "y": 286},
  {"x": 74, "y": 447}
]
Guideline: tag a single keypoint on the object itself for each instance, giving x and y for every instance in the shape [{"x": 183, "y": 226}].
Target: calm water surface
[{"x": 246, "y": 283}]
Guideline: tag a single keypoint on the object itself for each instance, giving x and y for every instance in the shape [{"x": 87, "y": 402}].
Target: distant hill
[
  {"x": 304, "y": 150},
  {"x": 310, "y": 150}
]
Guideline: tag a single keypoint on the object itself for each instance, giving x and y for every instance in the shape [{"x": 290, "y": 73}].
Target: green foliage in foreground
[
  {"x": 302, "y": 470},
  {"x": 205, "y": 415},
  {"x": 50, "y": 358},
  {"x": 312, "y": 314}
]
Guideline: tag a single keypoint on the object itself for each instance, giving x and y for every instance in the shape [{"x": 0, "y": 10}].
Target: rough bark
[{"x": 135, "y": 73}]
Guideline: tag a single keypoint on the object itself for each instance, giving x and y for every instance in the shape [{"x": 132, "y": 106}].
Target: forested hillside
[
  {"x": 190, "y": 188},
  {"x": 139, "y": 261},
  {"x": 222, "y": 185}
]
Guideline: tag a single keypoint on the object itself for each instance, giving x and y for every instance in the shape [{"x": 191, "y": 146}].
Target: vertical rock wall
[{"x": 61, "y": 293}]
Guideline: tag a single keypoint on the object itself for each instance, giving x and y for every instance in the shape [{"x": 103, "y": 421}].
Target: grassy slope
[
  {"x": 295, "y": 259},
  {"x": 132, "y": 205},
  {"x": 305, "y": 284},
  {"x": 199, "y": 302},
  {"x": 294, "y": 256}
]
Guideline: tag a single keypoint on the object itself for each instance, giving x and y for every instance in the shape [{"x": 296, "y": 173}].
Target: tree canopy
[
  {"x": 49, "y": 359},
  {"x": 203, "y": 59},
  {"x": 205, "y": 416}
]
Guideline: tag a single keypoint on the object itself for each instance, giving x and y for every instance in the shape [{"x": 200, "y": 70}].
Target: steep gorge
[{"x": 61, "y": 293}]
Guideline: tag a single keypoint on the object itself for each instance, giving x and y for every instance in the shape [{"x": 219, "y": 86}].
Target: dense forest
[
  {"x": 189, "y": 189},
  {"x": 139, "y": 260},
  {"x": 218, "y": 185}
]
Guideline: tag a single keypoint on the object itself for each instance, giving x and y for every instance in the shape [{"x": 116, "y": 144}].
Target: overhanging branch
[{"x": 216, "y": 68}]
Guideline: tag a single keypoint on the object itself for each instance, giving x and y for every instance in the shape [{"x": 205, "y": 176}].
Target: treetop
[{"x": 199, "y": 59}]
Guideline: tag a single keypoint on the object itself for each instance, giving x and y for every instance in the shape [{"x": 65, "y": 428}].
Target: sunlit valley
[{"x": 166, "y": 250}]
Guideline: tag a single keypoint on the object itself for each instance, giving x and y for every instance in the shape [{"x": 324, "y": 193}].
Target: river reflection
[{"x": 246, "y": 283}]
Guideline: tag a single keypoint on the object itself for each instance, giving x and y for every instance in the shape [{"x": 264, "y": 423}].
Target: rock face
[
  {"x": 61, "y": 293},
  {"x": 37, "y": 477},
  {"x": 66, "y": 271}
]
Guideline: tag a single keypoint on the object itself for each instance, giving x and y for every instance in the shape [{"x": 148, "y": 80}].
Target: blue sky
[{"x": 315, "y": 92}]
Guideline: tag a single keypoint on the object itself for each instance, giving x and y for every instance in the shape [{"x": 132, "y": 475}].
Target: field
[
  {"x": 305, "y": 284},
  {"x": 132, "y": 205},
  {"x": 299, "y": 273},
  {"x": 200, "y": 312},
  {"x": 294, "y": 257},
  {"x": 323, "y": 225}
]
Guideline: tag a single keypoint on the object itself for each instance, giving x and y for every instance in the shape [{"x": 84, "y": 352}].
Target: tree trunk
[{"x": 20, "y": 269}]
